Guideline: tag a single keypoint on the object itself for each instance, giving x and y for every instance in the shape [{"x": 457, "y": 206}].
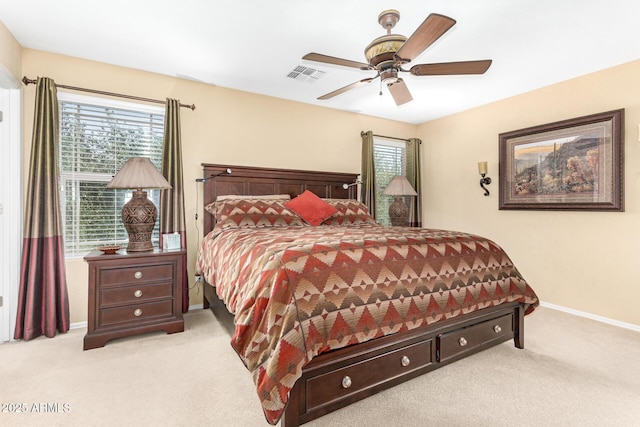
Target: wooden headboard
[{"x": 254, "y": 181}]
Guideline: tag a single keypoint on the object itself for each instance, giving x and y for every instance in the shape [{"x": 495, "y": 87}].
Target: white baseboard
[
  {"x": 591, "y": 316},
  {"x": 78, "y": 325}
]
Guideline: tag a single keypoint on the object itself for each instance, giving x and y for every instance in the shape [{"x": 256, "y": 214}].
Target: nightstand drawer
[
  {"x": 135, "y": 294},
  {"x": 135, "y": 312},
  {"x": 136, "y": 274}
]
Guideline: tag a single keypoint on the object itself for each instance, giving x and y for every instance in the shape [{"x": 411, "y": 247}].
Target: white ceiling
[{"x": 252, "y": 45}]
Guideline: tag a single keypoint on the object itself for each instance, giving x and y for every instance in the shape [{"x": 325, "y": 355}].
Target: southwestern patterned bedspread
[{"x": 299, "y": 291}]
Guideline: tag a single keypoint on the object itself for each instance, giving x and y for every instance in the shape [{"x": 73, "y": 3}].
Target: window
[
  {"x": 390, "y": 159},
  {"x": 97, "y": 136}
]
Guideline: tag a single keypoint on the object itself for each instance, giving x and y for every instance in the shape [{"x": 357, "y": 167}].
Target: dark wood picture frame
[{"x": 575, "y": 164}]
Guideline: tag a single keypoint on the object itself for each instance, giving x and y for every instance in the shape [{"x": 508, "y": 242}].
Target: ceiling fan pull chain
[{"x": 380, "y": 87}]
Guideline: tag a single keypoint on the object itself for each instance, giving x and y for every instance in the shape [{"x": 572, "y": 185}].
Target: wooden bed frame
[{"x": 341, "y": 377}]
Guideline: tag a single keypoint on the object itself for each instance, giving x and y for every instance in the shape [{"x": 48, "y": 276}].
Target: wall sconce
[{"x": 485, "y": 180}]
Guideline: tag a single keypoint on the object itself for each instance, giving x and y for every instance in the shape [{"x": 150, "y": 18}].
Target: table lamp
[
  {"x": 139, "y": 214},
  {"x": 398, "y": 211}
]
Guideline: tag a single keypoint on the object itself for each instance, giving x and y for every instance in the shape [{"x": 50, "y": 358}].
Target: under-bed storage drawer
[
  {"x": 467, "y": 339},
  {"x": 325, "y": 388}
]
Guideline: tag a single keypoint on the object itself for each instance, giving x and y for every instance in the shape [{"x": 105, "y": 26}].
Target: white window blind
[
  {"x": 390, "y": 158},
  {"x": 97, "y": 136}
]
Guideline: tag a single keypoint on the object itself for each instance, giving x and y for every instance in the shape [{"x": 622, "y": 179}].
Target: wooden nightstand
[{"x": 133, "y": 293}]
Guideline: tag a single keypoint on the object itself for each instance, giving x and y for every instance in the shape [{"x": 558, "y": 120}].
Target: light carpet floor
[{"x": 572, "y": 372}]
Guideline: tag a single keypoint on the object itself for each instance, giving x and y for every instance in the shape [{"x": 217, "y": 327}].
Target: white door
[{"x": 10, "y": 202}]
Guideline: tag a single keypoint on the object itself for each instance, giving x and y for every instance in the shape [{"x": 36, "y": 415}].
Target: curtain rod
[
  {"x": 28, "y": 81},
  {"x": 389, "y": 137}
]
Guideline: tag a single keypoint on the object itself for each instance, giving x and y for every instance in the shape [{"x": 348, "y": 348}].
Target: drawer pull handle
[
  {"x": 405, "y": 361},
  {"x": 497, "y": 329},
  {"x": 137, "y": 312},
  {"x": 137, "y": 293},
  {"x": 138, "y": 275},
  {"x": 462, "y": 341},
  {"x": 346, "y": 382}
]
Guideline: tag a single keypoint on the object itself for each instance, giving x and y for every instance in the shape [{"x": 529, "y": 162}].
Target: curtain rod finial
[{"x": 27, "y": 81}]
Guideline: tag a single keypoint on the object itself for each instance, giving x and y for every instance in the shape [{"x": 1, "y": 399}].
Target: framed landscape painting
[{"x": 574, "y": 164}]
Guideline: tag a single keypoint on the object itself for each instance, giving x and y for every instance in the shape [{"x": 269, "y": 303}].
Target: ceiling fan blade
[
  {"x": 427, "y": 33},
  {"x": 318, "y": 57},
  {"x": 346, "y": 88},
  {"x": 400, "y": 92},
  {"x": 446, "y": 68}
]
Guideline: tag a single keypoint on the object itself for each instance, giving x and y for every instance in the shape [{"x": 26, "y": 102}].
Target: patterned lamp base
[
  {"x": 398, "y": 212},
  {"x": 139, "y": 218}
]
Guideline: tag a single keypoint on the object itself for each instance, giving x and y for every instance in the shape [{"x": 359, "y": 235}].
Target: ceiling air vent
[{"x": 305, "y": 74}]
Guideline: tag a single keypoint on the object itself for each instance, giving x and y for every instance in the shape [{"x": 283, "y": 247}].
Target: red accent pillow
[{"x": 311, "y": 208}]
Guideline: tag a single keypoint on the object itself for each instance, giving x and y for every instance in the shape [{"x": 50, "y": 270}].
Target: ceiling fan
[{"x": 389, "y": 53}]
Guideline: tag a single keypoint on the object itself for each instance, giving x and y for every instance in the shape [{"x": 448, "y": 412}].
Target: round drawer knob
[
  {"x": 497, "y": 329},
  {"x": 405, "y": 361},
  {"x": 346, "y": 382},
  {"x": 137, "y": 312},
  {"x": 138, "y": 275},
  {"x": 137, "y": 293},
  {"x": 462, "y": 341}
]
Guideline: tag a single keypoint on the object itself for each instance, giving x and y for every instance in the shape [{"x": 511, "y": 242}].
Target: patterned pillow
[
  {"x": 350, "y": 212},
  {"x": 254, "y": 213},
  {"x": 260, "y": 197},
  {"x": 213, "y": 206}
]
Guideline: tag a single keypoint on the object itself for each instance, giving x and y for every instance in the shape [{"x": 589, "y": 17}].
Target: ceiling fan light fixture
[{"x": 383, "y": 48}]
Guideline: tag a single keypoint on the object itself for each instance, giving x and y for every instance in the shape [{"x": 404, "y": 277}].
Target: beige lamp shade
[
  {"x": 138, "y": 172},
  {"x": 139, "y": 214},
  {"x": 398, "y": 211},
  {"x": 399, "y": 186}
]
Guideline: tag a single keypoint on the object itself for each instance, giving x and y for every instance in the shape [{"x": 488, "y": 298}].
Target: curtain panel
[
  {"x": 43, "y": 302},
  {"x": 413, "y": 176},
  {"x": 172, "y": 213},
  {"x": 368, "y": 174}
]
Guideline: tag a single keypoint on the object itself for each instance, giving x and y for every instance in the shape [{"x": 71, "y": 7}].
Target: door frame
[{"x": 11, "y": 200}]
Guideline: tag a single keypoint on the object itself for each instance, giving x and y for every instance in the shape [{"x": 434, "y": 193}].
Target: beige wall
[
  {"x": 580, "y": 260},
  {"x": 228, "y": 127},
  {"x": 586, "y": 261},
  {"x": 10, "y": 53}
]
